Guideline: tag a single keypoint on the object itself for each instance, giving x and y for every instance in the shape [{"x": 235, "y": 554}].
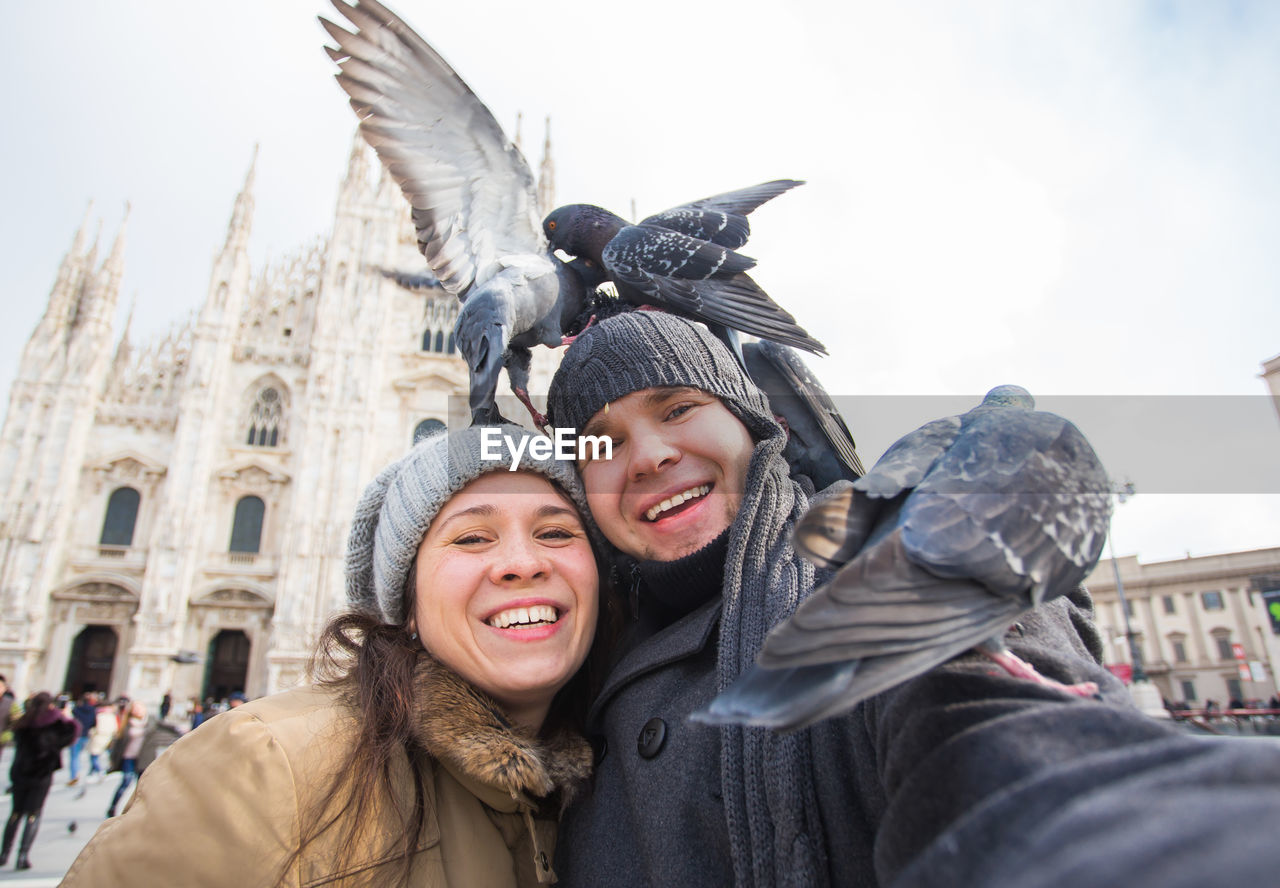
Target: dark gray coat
[{"x": 915, "y": 785}]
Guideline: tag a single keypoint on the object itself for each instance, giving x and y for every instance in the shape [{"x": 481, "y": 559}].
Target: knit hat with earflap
[
  {"x": 397, "y": 508},
  {"x": 646, "y": 349}
]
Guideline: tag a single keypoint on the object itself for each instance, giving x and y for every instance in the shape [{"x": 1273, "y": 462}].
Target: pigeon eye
[{"x": 551, "y": 226}]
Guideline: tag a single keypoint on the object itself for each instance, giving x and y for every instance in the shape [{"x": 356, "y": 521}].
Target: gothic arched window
[
  {"x": 438, "y": 320},
  {"x": 433, "y": 341},
  {"x": 425, "y": 428},
  {"x": 122, "y": 515},
  {"x": 246, "y": 529},
  {"x": 265, "y": 419}
]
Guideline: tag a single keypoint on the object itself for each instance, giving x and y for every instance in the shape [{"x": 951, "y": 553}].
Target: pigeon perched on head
[
  {"x": 473, "y": 198},
  {"x": 684, "y": 260},
  {"x": 960, "y": 529},
  {"x": 819, "y": 444}
]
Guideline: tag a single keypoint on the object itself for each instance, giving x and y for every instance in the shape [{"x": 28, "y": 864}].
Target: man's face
[{"x": 675, "y": 481}]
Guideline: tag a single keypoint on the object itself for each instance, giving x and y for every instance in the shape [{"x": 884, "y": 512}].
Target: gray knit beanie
[
  {"x": 396, "y": 509},
  {"x": 643, "y": 349}
]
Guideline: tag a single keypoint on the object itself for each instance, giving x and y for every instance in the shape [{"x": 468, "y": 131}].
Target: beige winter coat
[
  {"x": 104, "y": 731},
  {"x": 224, "y": 806}
]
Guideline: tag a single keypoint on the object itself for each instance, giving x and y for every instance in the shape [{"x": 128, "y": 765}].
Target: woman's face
[{"x": 508, "y": 591}]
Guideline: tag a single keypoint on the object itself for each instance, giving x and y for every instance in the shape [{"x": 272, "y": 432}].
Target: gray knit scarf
[{"x": 767, "y": 778}]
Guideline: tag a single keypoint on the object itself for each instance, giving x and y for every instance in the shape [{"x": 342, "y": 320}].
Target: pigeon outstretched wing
[
  {"x": 472, "y": 197},
  {"x": 722, "y": 218},
  {"x": 472, "y": 193}
]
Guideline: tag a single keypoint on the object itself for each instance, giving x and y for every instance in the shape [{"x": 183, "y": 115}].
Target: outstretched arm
[{"x": 996, "y": 782}]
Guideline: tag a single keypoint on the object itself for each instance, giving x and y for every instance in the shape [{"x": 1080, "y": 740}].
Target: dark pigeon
[
  {"x": 473, "y": 199},
  {"x": 684, "y": 260},
  {"x": 959, "y": 530},
  {"x": 819, "y": 444}
]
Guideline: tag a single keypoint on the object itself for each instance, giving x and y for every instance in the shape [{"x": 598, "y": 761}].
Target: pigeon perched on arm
[
  {"x": 685, "y": 260},
  {"x": 960, "y": 529},
  {"x": 473, "y": 199},
  {"x": 819, "y": 444}
]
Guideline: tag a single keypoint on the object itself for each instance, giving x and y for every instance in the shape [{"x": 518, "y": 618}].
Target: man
[
  {"x": 698, "y": 503},
  {"x": 86, "y": 713}
]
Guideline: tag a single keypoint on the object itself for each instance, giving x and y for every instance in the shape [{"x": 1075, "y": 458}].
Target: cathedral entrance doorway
[
  {"x": 92, "y": 655},
  {"x": 228, "y": 664}
]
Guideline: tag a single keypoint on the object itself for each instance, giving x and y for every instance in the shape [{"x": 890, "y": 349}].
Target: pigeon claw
[{"x": 539, "y": 418}]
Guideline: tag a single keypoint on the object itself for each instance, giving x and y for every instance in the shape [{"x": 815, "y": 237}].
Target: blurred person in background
[
  {"x": 39, "y": 736},
  {"x": 104, "y": 731},
  {"x": 86, "y": 713},
  {"x": 7, "y": 704},
  {"x": 128, "y": 744}
]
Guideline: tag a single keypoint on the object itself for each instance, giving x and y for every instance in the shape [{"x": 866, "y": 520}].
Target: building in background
[
  {"x": 1208, "y": 628},
  {"x": 174, "y": 514},
  {"x": 1271, "y": 375}
]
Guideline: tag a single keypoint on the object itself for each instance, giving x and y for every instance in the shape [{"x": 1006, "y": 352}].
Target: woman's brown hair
[{"x": 372, "y": 665}]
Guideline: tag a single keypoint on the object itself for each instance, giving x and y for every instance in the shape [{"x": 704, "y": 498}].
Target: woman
[
  {"x": 128, "y": 744},
  {"x": 440, "y": 746},
  {"x": 104, "y": 731},
  {"x": 39, "y": 737}
]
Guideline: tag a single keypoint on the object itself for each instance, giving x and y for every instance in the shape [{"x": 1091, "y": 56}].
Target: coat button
[{"x": 652, "y": 736}]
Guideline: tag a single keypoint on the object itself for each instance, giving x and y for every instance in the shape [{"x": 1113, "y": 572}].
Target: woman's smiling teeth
[
  {"x": 667, "y": 504},
  {"x": 524, "y": 616}
]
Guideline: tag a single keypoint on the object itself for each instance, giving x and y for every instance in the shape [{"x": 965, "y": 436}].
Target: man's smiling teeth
[
  {"x": 517, "y": 616},
  {"x": 676, "y": 500}
]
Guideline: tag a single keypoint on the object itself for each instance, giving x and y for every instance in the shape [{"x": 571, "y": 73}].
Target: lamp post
[
  {"x": 1145, "y": 695},
  {"x": 1123, "y": 492}
]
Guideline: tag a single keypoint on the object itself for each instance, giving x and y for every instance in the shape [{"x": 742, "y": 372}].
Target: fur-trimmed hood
[{"x": 467, "y": 730}]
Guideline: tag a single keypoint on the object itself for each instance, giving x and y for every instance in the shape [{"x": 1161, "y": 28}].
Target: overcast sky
[{"x": 1079, "y": 197}]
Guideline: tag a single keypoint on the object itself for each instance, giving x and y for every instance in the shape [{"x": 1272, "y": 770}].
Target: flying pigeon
[
  {"x": 685, "y": 260},
  {"x": 960, "y": 529},
  {"x": 473, "y": 198},
  {"x": 819, "y": 444}
]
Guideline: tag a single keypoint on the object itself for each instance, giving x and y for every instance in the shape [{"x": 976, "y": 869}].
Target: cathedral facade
[{"x": 175, "y": 513}]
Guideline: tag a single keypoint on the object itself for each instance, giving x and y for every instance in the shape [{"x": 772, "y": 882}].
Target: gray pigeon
[
  {"x": 684, "y": 260},
  {"x": 473, "y": 198},
  {"x": 960, "y": 529},
  {"x": 819, "y": 444}
]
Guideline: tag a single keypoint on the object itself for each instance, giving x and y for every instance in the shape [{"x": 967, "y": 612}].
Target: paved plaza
[{"x": 57, "y": 844}]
